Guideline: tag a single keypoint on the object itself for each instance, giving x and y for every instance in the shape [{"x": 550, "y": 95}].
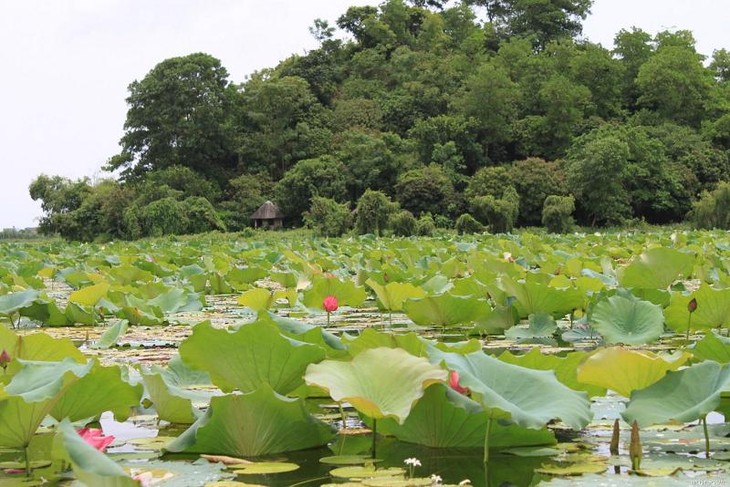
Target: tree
[
  {"x": 633, "y": 49},
  {"x": 499, "y": 213},
  {"x": 713, "y": 208},
  {"x": 327, "y": 217},
  {"x": 556, "y": 213},
  {"x": 534, "y": 180},
  {"x": 373, "y": 212},
  {"x": 59, "y": 197},
  {"x": 179, "y": 114},
  {"x": 323, "y": 176},
  {"x": 372, "y": 160},
  {"x": 426, "y": 190}
]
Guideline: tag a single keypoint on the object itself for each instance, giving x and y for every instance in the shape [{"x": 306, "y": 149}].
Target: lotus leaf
[
  {"x": 656, "y": 268},
  {"x": 534, "y": 297},
  {"x": 13, "y": 302},
  {"x": 446, "y": 310},
  {"x": 90, "y": 466},
  {"x": 712, "y": 347},
  {"x": 379, "y": 382},
  {"x": 565, "y": 368},
  {"x": 90, "y": 295},
  {"x": 540, "y": 326},
  {"x": 530, "y": 398},
  {"x": 101, "y": 389},
  {"x": 258, "y": 299},
  {"x": 625, "y": 320},
  {"x": 19, "y": 419},
  {"x": 394, "y": 294},
  {"x": 112, "y": 335},
  {"x": 370, "y": 338},
  {"x": 713, "y": 309},
  {"x": 253, "y": 355},
  {"x": 625, "y": 371},
  {"x": 443, "y": 418},
  {"x": 685, "y": 395},
  {"x": 258, "y": 423},
  {"x": 346, "y": 292}
]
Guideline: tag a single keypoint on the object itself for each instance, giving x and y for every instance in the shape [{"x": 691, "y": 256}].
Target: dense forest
[{"x": 420, "y": 114}]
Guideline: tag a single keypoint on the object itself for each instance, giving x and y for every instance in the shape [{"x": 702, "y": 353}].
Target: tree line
[{"x": 472, "y": 111}]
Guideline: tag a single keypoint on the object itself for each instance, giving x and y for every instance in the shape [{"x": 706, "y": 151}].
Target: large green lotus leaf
[
  {"x": 257, "y": 299},
  {"x": 371, "y": 338},
  {"x": 170, "y": 401},
  {"x": 76, "y": 313},
  {"x": 111, "y": 335},
  {"x": 346, "y": 292},
  {"x": 446, "y": 310},
  {"x": 530, "y": 398},
  {"x": 443, "y": 418},
  {"x": 13, "y": 302},
  {"x": 19, "y": 420},
  {"x": 625, "y": 320},
  {"x": 90, "y": 295},
  {"x": 246, "y": 275},
  {"x": 625, "y": 371},
  {"x": 713, "y": 309},
  {"x": 90, "y": 466},
  {"x": 394, "y": 294},
  {"x": 684, "y": 395},
  {"x": 498, "y": 320},
  {"x": 39, "y": 346},
  {"x": 38, "y": 381},
  {"x": 535, "y": 297},
  {"x": 712, "y": 347},
  {"x": 656, "y": 268},
  {"x": 565, "y": 368},
  {"x": 46, "y": 311},
  {"x": 102, "y": 389},
  {"x": 379, "y": 382},
  {"x": 253, "y": 355},
  {"x": 177, "y": 300},
  {"x": 254, "y": 424},
  {"x": 539, "y": 326},
  {"x": 306, "y": 333}
]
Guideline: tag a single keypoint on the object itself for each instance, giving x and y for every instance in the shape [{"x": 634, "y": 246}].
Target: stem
[
  {"x": 342, "y": 415},
  {"x": 689, "y": 322},
  {"x": 27, "y": 461},
  {"x": 328, "y": 319},
  {"x": 707, "y": 437},
  {"x": 375, "y": 429},
  {"x": 486, "y": 440}
]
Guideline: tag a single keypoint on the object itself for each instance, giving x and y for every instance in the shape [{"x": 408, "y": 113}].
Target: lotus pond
[{"x": 484, "y": 360}]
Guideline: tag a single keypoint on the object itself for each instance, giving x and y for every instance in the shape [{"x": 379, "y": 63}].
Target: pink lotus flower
[
  {"x": 95, "y": 437},
  {"x": 330, "y": 304},
  {"x": 5, "y": 359},
  {"x": 454, "y": 383}
]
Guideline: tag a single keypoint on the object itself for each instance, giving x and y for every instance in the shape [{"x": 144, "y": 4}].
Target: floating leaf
[
  {"x": 684, "y": 395},
  {"x": 379, "y": 382},
  {"x": 624, "y": 320},
  {"x": 261, "y": 468},
  {"x": 624, "y": 371},
  {"x": 346, "y": 460},
  {"x": 258, "y": 423},
  {"x": 574, "y": 469},
  {"x": 366, "y": 472}
]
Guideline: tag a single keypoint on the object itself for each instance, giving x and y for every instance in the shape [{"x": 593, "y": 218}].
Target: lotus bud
[
  {"x": 635, "y": 451},
  {"x": 330, "y": 304},
  {"x": 692, "y": 305},
  {"x": 615, "y": 438},
  {"x": 5, "y": 359},
  {"x": 454, "y": 383}
]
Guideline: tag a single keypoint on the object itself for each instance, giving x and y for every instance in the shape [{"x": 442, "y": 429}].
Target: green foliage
[
  {"x": 403, "y": 223},
  {"x": 500, "y": 214},
  {"x": 373, "y": 212},
  {"x": 713, "y": 209},
  {"x": 425, "y": 190},
  {"x": 425, "y": 226},
  {"x": 327, "y": 217},
  {"x": 557, "y": 213},
  {"x": 467, "y": 224},
  {"x": 535, "y": 179}
]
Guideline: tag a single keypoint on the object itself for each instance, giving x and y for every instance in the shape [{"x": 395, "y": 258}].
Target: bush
[
  {"x": 425, "y": 226},
  {"x": 373, "y": 212},
  {"x": 500, "y": 214},
  {"x": 467, "y": 224},
  {"x": 327, "y": 217},
  {"x": 403, "y": 223},
  {"x": 713, "y": 209},
  {"x": 557, "y": 213},
  {"x": 201, "y": 216}
]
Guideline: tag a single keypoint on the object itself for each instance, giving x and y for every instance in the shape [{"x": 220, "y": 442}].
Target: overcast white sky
[{"x": 66, "y": 65}]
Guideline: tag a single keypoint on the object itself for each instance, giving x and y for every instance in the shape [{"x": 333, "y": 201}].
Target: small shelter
[{"x": 268, "y": 216}]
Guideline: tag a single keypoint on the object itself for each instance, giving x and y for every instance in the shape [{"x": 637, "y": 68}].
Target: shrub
[
  {"x": 403, "y": 223},
  {"x": 201, "y": 216},
  {"x": 425, "y": 226},
  {"x": 327, "y": 217},
  {"x": 501, "y": 213},
  {"x": 557, "y": 213},
  {"x": 373, "y": 212},
  {"x": 468, "y": 224},
  {"x": 425, "y": 190},
  {"x": 713, "y": 208}
]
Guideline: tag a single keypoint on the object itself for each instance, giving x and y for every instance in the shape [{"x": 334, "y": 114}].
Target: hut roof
[{"x": 267, "y": 211}]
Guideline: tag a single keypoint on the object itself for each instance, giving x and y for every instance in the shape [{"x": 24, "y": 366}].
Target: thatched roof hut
[{"x": 268, "y": 216}]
